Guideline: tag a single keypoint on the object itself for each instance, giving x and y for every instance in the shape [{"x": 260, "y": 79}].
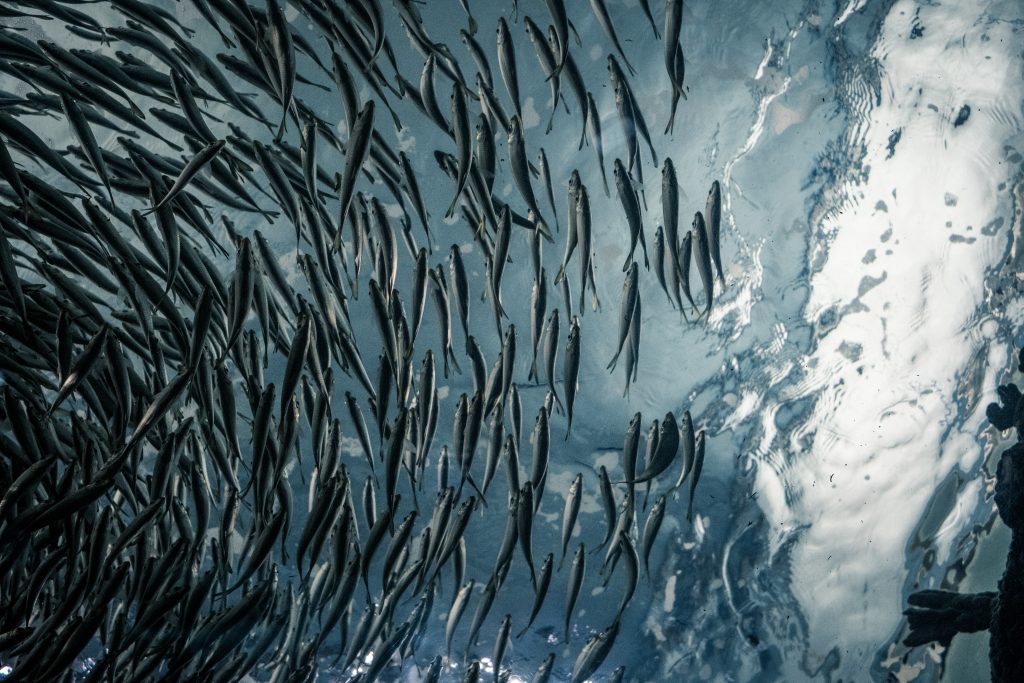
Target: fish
[
  {"x": 541, "y": 456},
  {"x": 547, "y": 65},
  {"x": 593, "y": 126},
  {"x": 538, "y": 304},
  {"x": 412, "y": 190},
  {"x": 478, "y": 54},
  {"x": 284, "y": 56},
  {"x": 594, "y": 653},
  {"x": 543, "y": 583},
  {"x": 543, "y": 674},
  {"x": 507, "y": 65},
  {"x": 685, "y": 257},
  {"x": 82, "y": 367},
  {"x": 460, "y": 283},
  {"x": 482, "y": 609},
  {"x": 545, "y": 176},
  {"x": 673, "y": 53},
  {"x": 550, "y": 352},
  {"x": 573, "y": 585},
  {"x": 191, "y": 169},
  {"x": 525, "y": 511},
  {"x": 651, "y": 527},
  {"x": 608, "y": 26},
  {"x": 630, "y": 297},
  {"x": 571, "y": 371},
  {"x": 463, "y": 142},
  {"x": 584, "y": 231},
  {"x": 670, "y": 215},
  {"x": 665, "y": 449},
  {"x": 698, "y": 465},
  {"x": 676, "y": 75},
  {"x": 607, "y": 504},
  {"x": 633, "y": 569},
  {"x": 520, "y": 167},
  {"x": 501, "y": 645},
  {"x": 631, "y": 205},
  {"x": 80, "y": 127},
  {"x": 688, "y": 445},
  {"x": 360, "y": 135},
  {"x": 702, "y": 255},
  {"x": 630, "y": 106},
  {"x": 569, "y": 514},
  {"x": 713, "y": 218},
  {"x": 560, "y": 28},
  {"x": 515, "y": 414}
]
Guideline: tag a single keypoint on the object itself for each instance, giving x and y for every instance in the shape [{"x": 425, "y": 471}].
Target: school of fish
[{"x": 170, "y": 390}]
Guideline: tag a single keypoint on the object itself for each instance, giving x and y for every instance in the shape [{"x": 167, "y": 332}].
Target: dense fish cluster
[{"x": 173, "y": 395}]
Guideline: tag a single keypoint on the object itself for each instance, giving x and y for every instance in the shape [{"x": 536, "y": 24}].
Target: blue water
[{"x": 843, "y": 374}]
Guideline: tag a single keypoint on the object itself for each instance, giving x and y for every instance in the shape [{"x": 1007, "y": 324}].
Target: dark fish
[
  {"x": 666, "y": 448},
  {"x": 574, "y": 584},
  {"x": 673, "y": 53},
  {"x": 651, "y": 527},
  {"x": 507, "y": 64},
  {"x": 670, "y": 215},
  {"x": 284, "y": 56},
  {"x": 543, "y": 674},
  {"x": 460, "y": 283},
  {"x": 630, "y": 297},
  {"x": 545, "y": 177},
  {"x": 593, "y": 127},
  {"x": 631, "y": 205},
  {"x": 86, "y": 139},
  {"x": 571, "y": 371},
  {"x": 191, "y": 169},
  {"x": 501, "y": 645},
  {"x": 702, "y": 255},
  {"x": 538, "y": 306},
  {"x": 358, "y": 149},
  {"x": 547, "y": 65},
  {"x": 594, "y": 653},
  {"x": 463, "y": 142},
  {"x": 713, "y": 216},
  {"x": 698, "y": 465},
  {"x": 543, "y": 583},
  {"x": 572, "y": 510}
]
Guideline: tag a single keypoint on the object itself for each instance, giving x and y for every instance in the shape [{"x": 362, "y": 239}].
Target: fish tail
[{"x": 454, "y": 362}]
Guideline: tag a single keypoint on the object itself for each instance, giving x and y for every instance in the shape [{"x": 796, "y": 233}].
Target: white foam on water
[{"x": 885, "y": 429}]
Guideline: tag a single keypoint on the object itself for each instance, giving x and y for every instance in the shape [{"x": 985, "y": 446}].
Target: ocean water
[{"x": 870, "y": 156}]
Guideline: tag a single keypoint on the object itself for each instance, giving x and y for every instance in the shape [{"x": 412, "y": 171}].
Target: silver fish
[
  {"x": 627, "y": 309},
  {"x": 631, "y": 205},
  {"x": 571, "y": 371},
  {"x": 702, "y": 255},
  {"x": 538, "y": 304},
  {"x": 501, "y": 645},
  {"x": 358, "y": 149},
  {"x": 507, "y": 65},
  {"x": 463, "y": 142},
  {"x": 574, "y": 584},
  {"x": 543, "y": 583},
  {"x": 713, "y": 216},
  {"x": 698, "y": 465},
  {"x": 569, "y": 514},
  {"x": 593, "y": 127},
  {"x": 594, "y": 653},
  {"x": 651, "y": 527}
]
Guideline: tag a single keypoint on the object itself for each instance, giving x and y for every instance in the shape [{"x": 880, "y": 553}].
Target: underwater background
[{"x": 869, "y": 155}]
